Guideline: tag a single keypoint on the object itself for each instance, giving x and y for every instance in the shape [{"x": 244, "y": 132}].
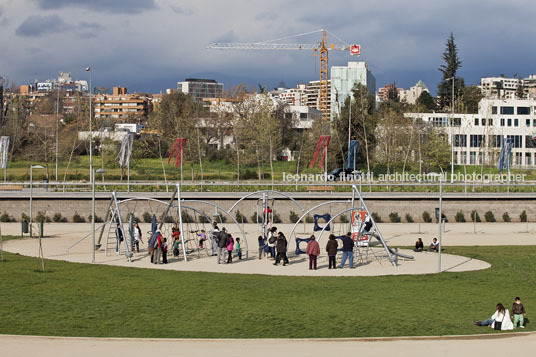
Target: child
[
  {"x": 202, "y": 238},
  {"x": 230, "y": 246},
  {"x": 518, "y": 310},
  {"x": 176, "y": 247},
  {"x": 164, "y": 251},
  {"x": 434, "y": 246},
  {"x": 262, "y": 243},
  {"x": 238, "y": 250}
]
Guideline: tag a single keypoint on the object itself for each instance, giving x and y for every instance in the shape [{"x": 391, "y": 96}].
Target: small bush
[
  {"x": 460, "y": 218},
  {"x": 309, "y": 219},
  {"x": 77, "y": 218},
  {"x": 475, "y": 216},
  {"x": 254, "y": 218},
  {"x": 25, "y": 217},
  {"x": 426, "y": 217},
  {"x": 186, "y": 218},
  {"x": 376, "y": 217},
  {"x": 394, "y": 217},
  {"x": 99, "y": 219},
  {"x": 277, "y": 219},
  {"x": 409, "y": 218},
  {"x": 5, "y": 217},
  {"x": 489, "y": 217},
  {"x": 168, "y": 219},
  {"x": 293, "y": 217},
  {"x": 523, "y": 216},
  {"x": 147, "y": 217},
  {"x": 506, "y": 217},
  {"x": 202, "y": 219},
  {"x": 240, "y": 217},
  {"x": 41, "y": 217},
  {"x": 57, "y": 217},
  {"x": 343, "y": 218}
]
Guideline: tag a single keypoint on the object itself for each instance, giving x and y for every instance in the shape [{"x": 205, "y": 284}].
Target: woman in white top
[{"x": 501, "y": 316}]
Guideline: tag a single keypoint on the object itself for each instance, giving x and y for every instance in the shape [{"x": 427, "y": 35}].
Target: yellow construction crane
[{"x": 323, "y": 47}]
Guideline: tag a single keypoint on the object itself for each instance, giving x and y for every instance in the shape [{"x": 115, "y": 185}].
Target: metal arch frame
[
  {"x": 229, "y": 214},
  {"x": 312, "y": 209},
  {"x": 377, "y": 236},
  {"x": 266, "y": 191}
]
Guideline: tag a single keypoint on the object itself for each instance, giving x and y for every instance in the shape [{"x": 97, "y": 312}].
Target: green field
[{"x": 94, "y": 300}]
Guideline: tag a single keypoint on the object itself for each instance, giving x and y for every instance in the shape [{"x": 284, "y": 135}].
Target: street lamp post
[
  {"x": 99, "y": 171},
  {"x": 88, "y": 69},
  {"x": 452, "y": 131},
  {"x": 31, "y": 192}
]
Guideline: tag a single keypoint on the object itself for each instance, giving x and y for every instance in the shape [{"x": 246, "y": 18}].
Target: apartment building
[
  {"x": 343, "y": 80},
  {"x": 478, "y": 138},
  {"x": 122, "y": 106}
]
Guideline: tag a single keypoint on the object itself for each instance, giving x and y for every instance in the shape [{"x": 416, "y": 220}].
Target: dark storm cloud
[
  {"x": 35, "y": 26},
  {"x": 115, "y": 6}
]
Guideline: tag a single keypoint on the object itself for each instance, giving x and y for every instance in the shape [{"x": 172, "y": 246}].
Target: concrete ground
[{"x": 60, "y": 236}]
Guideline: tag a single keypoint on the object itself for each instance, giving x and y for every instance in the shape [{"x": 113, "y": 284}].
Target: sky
[{"x": 150, "y": 45}]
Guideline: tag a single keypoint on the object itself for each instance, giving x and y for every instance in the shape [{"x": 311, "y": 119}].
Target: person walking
[
  {"x": 223, "y": 238},
  {"x": 313, "y": 251},
  {"x": 272, "y": 241},
  {"x": 347, "y": 250},
  {"x": 230, "y": 247},
  {"x": 137, "y": 237},
  {"x": 281, "y": 247},
  {"x": 331, "y": 249}
]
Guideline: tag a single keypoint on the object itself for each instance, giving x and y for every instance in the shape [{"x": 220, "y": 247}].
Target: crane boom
[
  {"x": 272, "y": 46},
  {"x": 321, "y": 47}
]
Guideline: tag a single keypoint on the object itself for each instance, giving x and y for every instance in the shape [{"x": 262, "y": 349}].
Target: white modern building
[
  {"x": 499, "y": 87},
  {"x": 201, "y": 88},
  {"x": 478, "y": 138},
  {"x": 343, "y": 79}
]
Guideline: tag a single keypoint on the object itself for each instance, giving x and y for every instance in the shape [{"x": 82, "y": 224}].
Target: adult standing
[
  {"x": 137, "y": 236},
  {"x": 281, "y": 248},
  {"x": 214, "y": 238},
  {"x": 158, "y": 247},
  {"x": 331, "y": 249},
  {"x": 118, "y": 237},
  {"x": 272, "y": 241},
  {"x": 223, "y": 240},
  {"x": 313, "y": 251},
  {"x": 347, "y": 250},
  {"x": 152, "y": 243}
]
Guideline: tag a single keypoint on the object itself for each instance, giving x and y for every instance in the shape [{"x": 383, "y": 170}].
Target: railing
[{"x": 156, "y": 187}]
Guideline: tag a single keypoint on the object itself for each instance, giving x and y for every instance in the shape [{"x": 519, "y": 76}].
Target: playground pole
[{"x": 440, "y": 222}]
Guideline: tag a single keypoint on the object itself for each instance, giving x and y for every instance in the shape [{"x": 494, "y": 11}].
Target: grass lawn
[{"x": 93, "y": 300}]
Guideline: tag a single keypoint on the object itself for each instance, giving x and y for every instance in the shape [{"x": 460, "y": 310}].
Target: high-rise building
[
  {"x": 343, "y": 80},
  {"x": 201, "y": 88}
]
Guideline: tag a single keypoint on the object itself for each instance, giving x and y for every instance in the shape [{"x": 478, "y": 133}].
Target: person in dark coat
[
  {"x": 281, "y": 248},
  {"x": 419, "y": 245},
  {"x": 223, "y": 240},
  {"x": 347, "y": 250},
  {"x": 331, "y": 249}
]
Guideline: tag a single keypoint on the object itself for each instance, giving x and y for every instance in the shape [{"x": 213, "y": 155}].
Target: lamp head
[{"x": 88, "y": 68}]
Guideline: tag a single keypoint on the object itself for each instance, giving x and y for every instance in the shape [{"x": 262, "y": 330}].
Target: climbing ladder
[{"x": 113, "y": 216}]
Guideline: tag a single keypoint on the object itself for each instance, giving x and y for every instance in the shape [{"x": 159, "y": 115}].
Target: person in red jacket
[{"x": 313, "y": 251}]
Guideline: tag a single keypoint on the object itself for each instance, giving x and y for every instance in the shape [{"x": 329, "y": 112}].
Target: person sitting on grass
[
  {"x": 500, "y": 320},
  {"x": 434, "y": 246},
  {"x": 419, "y": 246}
]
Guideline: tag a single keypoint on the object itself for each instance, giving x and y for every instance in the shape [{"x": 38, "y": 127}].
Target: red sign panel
[{"x": 355, "y": 49}]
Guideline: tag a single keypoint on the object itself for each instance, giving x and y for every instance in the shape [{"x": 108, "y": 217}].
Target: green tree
[
  {"x": 449, "y": 70},
  {"x": 392, "y": 93},
  {"x": 470, "y": 99},
  {"x": 363, "y": 126},
  {"x": 436, "y": 150},
  {"x": 426, "y": 102}
]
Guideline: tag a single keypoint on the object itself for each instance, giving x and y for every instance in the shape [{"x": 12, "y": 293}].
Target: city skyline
[{"x": 150, "y": 45}]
